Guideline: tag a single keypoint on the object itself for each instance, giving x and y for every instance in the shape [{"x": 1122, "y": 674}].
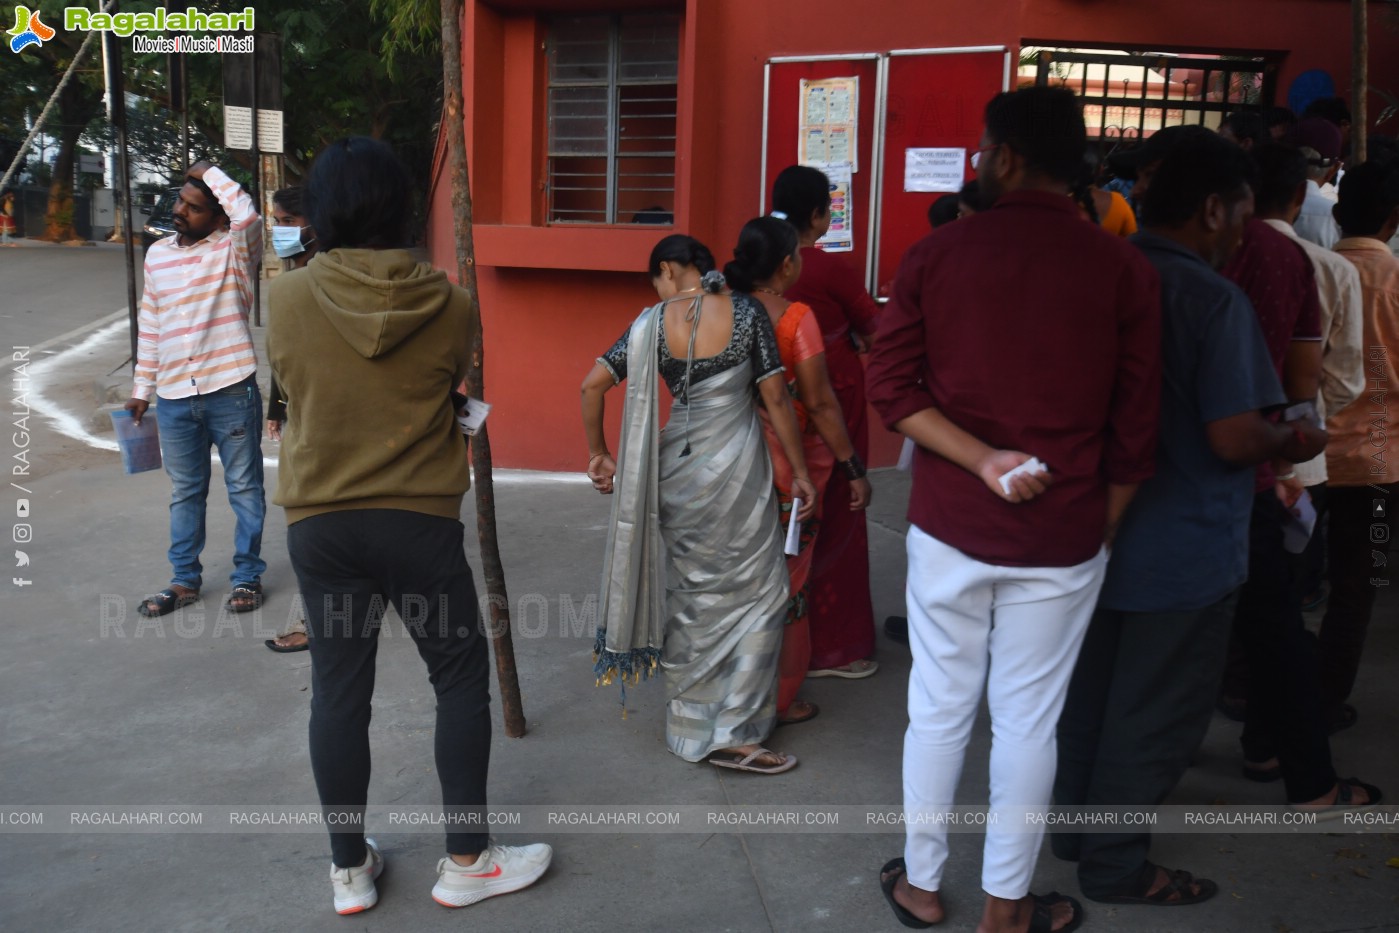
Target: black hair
[
  {"x": 970, "y": 195},
  {"x": 1279, "y": 116},
  {"x": 683, "y": 250},
  {"x": 208, "y": 193},
  {"x": 289, "y": 200},
  {"x": 799, "y": 192},
  {"x": 1082, "y": 190},
  {"x": 762, "y": 245},
  {"x": 1198, "y": 166},
  {"x": 1281, "y": 171},
  {"x": 1248, "y": 124},
  {"x": 1382, "y": 149},
  {"x": 1368, "y": 196},
  {"x": 359, "y": 195},
  {"x": 943, "y": 211},
  {"x": 1042, "y": 124},
  {"x": 1334, "y": 109}
]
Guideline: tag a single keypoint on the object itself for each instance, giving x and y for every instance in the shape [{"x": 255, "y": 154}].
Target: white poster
[
  {"x": 840, "y": 238},
  {"x": 829, "y": 122},
  {"x": 934, "y": 169}
]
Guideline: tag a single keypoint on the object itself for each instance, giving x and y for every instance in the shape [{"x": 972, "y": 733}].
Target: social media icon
[
  {"x": 1378, "y": 559},
  {"x": 23, "y": 533},
  {"x": 21, "y": 559},
  {"x": 1377, "y": 508},
  {"x": 21, "y": 508},
  {"x": 1379, "y": 534},
  {"x": 20, "y": 581}
]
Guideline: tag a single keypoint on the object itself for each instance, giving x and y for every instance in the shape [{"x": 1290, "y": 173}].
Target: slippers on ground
[
  {"x": 165, "y": 602},
  {"x": 1042, "y": 920},
  {"x": 809, "y": 711},
  {"x": 1345, "y": 799},
  {"x": 855, "y": 670},
  {"x": 895, "y": 869},
  {"x": 287, "y": 649},
  {"x": 1176, "y": 892},
  {"x": 245, "y": 598},
  {"x": 726, "y": 758},
  {"x": 1342, "y": 719}
]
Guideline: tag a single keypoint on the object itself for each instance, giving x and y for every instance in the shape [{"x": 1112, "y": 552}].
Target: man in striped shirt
[{"x": 195, "y": 352}]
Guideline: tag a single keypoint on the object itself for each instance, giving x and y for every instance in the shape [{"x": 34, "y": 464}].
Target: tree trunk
[
  {"x": 75, "y": 110},
  {"x": 496, "y": 596}
]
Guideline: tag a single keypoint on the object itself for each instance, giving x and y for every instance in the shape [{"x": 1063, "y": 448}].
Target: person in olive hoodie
[{"x": 367, "y": 345}]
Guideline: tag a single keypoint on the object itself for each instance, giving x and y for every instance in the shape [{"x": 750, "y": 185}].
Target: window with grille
[
  {"x": 612, "y": 117},
  {"x": 1128, "y": 96}
]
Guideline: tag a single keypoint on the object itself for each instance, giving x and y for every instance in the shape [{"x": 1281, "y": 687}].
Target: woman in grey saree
[{"x": 694, "y": 579}]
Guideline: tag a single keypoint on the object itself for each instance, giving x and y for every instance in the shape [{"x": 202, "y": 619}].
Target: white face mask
[{"x": 286, "y": 241}]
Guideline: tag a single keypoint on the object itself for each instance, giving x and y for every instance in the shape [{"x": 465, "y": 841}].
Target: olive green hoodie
[{"x": 367, "y": 345}]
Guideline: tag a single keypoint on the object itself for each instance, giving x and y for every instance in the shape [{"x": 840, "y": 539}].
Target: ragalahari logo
[{"x": 28, "y": 30}]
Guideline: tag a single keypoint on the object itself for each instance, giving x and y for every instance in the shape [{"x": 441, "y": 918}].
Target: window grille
[
  {"x": 1128, "y": 97},
  {"x": 613, "y": 98}
]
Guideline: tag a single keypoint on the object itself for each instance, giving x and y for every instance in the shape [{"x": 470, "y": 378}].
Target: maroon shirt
[
  {"x": 1280, "y": 283},
  {"x": 832, "y": 288},
  {"x": 1033, "y": 330}
]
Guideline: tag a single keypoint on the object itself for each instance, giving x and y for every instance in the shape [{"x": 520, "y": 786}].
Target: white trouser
[{"x": 1023, "y": 626}]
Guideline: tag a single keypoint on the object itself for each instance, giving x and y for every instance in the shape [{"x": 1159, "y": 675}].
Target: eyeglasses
[{"x": 975, "y": 157}]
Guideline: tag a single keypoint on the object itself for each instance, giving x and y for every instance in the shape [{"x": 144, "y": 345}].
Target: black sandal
[
  {"x": 165, "y": 602},
  {"x": 1179, "y": 883},
  {"x": 1042, "y": 920},
  {"x": 250, "y": 594},
  {"x": 895, "y": 869}
]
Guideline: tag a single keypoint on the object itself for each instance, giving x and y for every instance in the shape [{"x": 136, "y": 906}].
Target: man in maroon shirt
[{"x": 1022, "y": 331}]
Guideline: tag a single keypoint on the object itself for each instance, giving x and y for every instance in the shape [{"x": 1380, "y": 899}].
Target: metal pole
[
  {"x": 117, "y": 85},
  {"x": 257, "y": 196},
  {"x": 1359, "y": 79},
  {"x": 184, "y": 113}
]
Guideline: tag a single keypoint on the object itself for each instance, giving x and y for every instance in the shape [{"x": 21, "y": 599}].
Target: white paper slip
[
  {"x": 794, "y": 531},
  {"x": 476, "y": 412},
  {"x": 1302, "y": 410},
  {"x": 1032, "y": 465},
  {"x": 1297, "y": 527},
  {"x": 906, "y": 455}
]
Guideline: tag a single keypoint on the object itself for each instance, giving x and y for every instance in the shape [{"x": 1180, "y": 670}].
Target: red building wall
[{"x": 554, "y": 298}]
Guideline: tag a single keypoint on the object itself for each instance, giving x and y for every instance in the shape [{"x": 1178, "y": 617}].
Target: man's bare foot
[
  {"x": 290, "y": 641},
  {"x": 921, "y": 905}
]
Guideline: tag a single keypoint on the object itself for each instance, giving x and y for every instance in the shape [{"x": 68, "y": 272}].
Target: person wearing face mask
[{"x": 294, "y": 240}]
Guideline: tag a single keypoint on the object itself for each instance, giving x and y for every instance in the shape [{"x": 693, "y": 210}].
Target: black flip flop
[
  {"x": 248, "y": 593},
  {"x": 901, "y": 913},
  {"x": 272, "y": 644},
  {"x": 1180, "y": 882},
  {"x": 166, "y": 602},
  {"x": 1042, "y": 920}
]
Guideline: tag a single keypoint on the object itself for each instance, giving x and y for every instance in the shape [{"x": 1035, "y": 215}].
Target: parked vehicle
[{"x": 161, "y": 222}]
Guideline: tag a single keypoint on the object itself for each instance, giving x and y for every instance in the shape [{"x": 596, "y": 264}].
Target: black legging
[{"x": 350, "y": 565}]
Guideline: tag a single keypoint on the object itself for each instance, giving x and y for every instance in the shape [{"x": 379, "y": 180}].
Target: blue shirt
[{"x": 1183, "y": 543}]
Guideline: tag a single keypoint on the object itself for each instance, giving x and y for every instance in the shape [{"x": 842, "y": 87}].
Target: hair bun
[{"x": 712, "y": 281}]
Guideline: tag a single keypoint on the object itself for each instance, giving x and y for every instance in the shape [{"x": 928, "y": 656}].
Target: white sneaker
[
  {"x": 499, "y": 870},
  {"x": 354, "y": 887}
]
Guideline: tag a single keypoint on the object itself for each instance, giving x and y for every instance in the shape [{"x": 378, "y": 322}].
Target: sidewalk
[{"x": 196, "y": 712}]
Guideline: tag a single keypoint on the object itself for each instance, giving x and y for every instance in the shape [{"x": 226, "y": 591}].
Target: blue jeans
[{"x": 231, "y": 420}]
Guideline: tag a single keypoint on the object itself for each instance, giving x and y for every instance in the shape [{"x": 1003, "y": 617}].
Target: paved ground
[{"x": 204, "y": 715}]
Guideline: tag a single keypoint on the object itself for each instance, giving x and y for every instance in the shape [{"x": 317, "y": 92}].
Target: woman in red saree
[
  {"x": 841, "y": 611},
  {"x": 767, "y": 261}
]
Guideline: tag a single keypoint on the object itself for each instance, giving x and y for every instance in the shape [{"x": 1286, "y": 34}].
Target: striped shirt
[{"x": 192, "y": 332}]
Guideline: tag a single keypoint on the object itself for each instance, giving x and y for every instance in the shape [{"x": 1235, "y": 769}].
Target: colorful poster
[
  {"x": 840, "y": 237},
  {"x": 829, "y": 122}
]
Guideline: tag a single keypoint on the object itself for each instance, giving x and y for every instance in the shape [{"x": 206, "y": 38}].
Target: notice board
[
  {"x": 782, "y": 137},
  {"x": 934, "y": 102}
]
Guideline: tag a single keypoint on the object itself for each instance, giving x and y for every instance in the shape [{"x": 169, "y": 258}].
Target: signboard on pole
[{"x": 239, "y": 100}]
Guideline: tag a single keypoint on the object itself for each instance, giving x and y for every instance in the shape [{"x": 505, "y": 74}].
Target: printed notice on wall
[
  {"x": 934, "y": 169},
  {"x": 840, "y": 238},
  {"x": 829, "y": 122}
]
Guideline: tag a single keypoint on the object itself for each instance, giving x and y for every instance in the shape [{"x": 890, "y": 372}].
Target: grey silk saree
[{"x": 700, "y": 575}]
